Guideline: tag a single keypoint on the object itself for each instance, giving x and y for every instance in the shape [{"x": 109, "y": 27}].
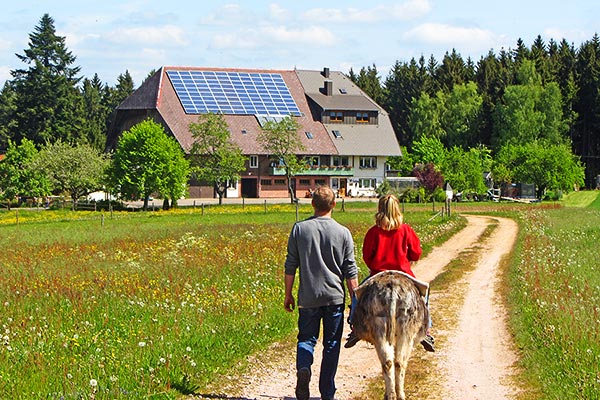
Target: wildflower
[
  {"x": 162, "y": 360},
  {"x": 93, "y": 383},
  {"x": 142, "y": 344},
  {"x": 188, "y": 349}
]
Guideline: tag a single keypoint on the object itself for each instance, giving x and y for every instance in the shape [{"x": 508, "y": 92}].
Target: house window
[
  {"x": 312, "y": 161},
  {"x": 280, "y": 182},
  {"x": 362, "y": 117},
  {"x": 265, "y": 182},
  {"x": 337, "y": 133},
  {"x": 253, "y": 161},
  {"x": 340, "y": 161},
  {"x": 232, "y": 184},
  {"x": 367, "y": 183},
  {"x": 320, "y": 182},
  {"x": 336, "y": 116},
  {"x": 305, "y": 182},
  {"x": 368, "y": 162},
  {"x": 309, "y": 135}
]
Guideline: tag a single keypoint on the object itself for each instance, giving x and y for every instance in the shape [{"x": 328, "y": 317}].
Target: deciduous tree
[
  {"x": 547, "y": 165},
  {"x": 143, "y": 162},
  {"x": 281, "y": 141},
  {"x": 77, "y": 170},
  {"x": 17, "y": 175},
  {"x": 215, "y": 158}
]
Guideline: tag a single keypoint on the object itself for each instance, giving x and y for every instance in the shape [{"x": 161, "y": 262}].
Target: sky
[{"x": 110, "y": 37}]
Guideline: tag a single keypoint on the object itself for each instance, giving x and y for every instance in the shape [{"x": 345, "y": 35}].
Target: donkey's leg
[
  {"x": 385, "y": 352},
  {"x": 403, "y": 350}
]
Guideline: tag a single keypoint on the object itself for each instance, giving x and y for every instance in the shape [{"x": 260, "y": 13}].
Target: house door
[
  {"x": 339, "y": 186},
  {"x": 249, "y": 188}
]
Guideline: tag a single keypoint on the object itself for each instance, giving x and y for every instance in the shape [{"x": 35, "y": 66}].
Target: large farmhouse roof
[
  {"x": 178, "y": 95},
  {"x": 335, "y": 91}
]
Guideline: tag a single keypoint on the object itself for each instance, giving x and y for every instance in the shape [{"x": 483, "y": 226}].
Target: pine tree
[
  {"x": 586, "y": 140},
  {"x": 96, "y": 113},
  {"x": 7, "y": 114},
  {"x": 114, "y": 96},
  {"x": 48, "y": 102}
]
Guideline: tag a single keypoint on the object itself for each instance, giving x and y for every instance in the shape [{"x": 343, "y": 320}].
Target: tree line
[
  {"x": 534, "y": 107},
  {"x": 545, "y": 95}
]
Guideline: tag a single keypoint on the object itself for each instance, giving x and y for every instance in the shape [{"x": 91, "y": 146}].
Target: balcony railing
[{"x": 324, "y": 170}]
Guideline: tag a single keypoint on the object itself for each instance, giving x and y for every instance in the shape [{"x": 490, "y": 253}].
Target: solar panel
[{"x": 229, "y": 92}]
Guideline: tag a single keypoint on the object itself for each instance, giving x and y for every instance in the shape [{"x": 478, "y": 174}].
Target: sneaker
[
  {"x": 428, "y": 343},
  {"x": 351, "y": 340},
  {"x": 302, "y": 389}
]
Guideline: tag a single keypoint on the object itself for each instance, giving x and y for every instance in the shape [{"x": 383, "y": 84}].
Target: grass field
[
  {"x": 148, "y": 305},
  {"x": 157, "y": 305},
  {"x": 555, "y": 297}
]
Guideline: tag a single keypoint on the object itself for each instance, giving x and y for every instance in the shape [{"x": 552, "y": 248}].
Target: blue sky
[{"x": 109, "y": 37}]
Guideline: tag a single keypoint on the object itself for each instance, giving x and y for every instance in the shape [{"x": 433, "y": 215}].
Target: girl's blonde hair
[{"x": 389, "y": 216}]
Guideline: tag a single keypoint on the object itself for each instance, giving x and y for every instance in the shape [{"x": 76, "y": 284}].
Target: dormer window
[
  {"x": 362, "y": 117},
  {"x": 336, "y": 116}
]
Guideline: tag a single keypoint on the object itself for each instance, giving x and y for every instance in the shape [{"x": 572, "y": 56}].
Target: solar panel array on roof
[{"x": 229, "y": 92}]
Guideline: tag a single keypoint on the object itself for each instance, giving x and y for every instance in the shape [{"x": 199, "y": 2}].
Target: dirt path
[{"x": 477, "y": 358}]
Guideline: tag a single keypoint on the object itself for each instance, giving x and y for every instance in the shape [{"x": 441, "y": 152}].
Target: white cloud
[
  {"x": 263, "y": 36},
  {"x": 234, "y": 41},
  {"x": 406, "y": 11},
  {"x": 455, "y": 36},
  {"x": 228, "y": 14},
  {"x": 311, "y": 35},
  {"x": 278, "y": 13},
  {"x": 163, "y": 35},
  {"x": 572, "y": 35}
]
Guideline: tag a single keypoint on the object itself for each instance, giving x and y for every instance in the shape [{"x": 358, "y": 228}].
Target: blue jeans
[{"x": 309, "y": 323}]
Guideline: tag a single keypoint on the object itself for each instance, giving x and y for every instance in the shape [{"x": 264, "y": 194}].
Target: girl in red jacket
[{"x": 390, "y": 245}]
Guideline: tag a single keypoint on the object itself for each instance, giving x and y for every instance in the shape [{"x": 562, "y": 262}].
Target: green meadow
[
  {"x": 163, "y": 304},
  {"x": 555, "y": 298},
  {"x": 149, "y": 305}
]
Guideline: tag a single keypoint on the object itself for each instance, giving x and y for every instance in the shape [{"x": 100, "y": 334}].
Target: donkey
[{"x": 392, "y": 316}]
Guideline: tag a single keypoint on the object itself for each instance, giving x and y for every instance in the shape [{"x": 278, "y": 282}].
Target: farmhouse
[{"x": 346, "y": 135}]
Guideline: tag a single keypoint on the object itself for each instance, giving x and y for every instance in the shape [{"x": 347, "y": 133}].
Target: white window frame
[
  {"x": 253, "y": 162},
  {"x": 369, "y": 162},
  {"x": 341, "y": 161},
  {"x": 367, "y": 183}
]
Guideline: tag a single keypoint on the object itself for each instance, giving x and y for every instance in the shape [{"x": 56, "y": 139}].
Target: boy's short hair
[{"x": 323, "y": 198}]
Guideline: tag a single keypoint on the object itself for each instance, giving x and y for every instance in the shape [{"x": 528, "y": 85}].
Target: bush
[
  {"x": 104, "y": 205},
  {"x": 439, "y": 195},
  {"x": 552, "y": 195}
]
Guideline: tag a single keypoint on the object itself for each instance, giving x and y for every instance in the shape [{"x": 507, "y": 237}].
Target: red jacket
[{"x": 391, "y": 250}]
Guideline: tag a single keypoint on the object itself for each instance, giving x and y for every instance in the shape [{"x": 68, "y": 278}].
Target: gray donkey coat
[{"x": 392, "y": 315}]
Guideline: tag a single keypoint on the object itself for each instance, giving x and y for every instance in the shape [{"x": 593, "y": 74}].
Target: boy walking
[{"x": 322, "y": 251}]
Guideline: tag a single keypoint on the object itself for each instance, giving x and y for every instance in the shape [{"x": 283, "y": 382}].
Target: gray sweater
[{"x": 323, "y": 250}]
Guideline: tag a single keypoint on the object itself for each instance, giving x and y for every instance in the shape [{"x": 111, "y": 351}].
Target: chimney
[
  {"x": 325, "y": 72},
  {"x": 328, "y": 88}
]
